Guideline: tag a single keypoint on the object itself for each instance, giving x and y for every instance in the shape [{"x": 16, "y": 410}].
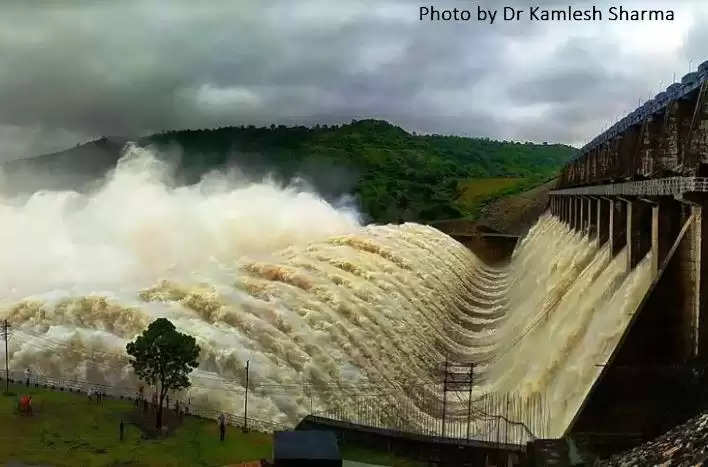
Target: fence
[{"x": 498, "y": 418}]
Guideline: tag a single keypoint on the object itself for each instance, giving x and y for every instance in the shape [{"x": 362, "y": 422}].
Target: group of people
[
  {"x": 99, "y": 394},
  {"x": 26, "y": 404},
  {"x": 142, "y": 401},
  {"x": 180, "y": 409}
]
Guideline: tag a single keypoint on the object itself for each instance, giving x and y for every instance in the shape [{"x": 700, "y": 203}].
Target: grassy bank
[
  {"x": 68, "y": 429},
  {"x": 474, "y": 192}
]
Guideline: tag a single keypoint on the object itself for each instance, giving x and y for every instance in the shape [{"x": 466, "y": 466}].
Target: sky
[{"x": 72, "y": 71}]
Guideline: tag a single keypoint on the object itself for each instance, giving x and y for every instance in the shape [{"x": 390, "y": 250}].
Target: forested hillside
[{"x": 396, "y": 176}]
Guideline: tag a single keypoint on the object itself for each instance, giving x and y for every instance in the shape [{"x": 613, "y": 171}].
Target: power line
[
  {"x": 53, "y": 344},
  {"x": 386, "y": 388}
]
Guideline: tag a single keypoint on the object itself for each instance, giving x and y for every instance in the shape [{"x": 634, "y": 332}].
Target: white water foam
[{"x": 317, "y": 303}]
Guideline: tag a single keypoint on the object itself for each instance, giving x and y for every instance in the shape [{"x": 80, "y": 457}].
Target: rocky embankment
[
  {"x": 685, "y": 445},
  {"x": 515, "y": 214}
]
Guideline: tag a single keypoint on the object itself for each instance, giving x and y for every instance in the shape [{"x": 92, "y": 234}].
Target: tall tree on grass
[{"x": 163, "y": 357}]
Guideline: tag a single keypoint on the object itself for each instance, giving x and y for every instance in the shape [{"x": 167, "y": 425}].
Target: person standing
[
  {"x": 28, "y": 373},
  {"x": 222, "y": 427}
]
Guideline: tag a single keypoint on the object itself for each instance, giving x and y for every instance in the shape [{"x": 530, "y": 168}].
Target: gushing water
[
  {"x": 324, "y": 309},
  {"x": 569, "y": 304}
]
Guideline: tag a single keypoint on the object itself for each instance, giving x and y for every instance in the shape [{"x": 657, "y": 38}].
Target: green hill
[{"x": 395, "y": 176}]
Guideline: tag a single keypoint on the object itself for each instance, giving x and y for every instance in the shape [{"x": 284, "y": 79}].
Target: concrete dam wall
[{"x": 639, "y": 190}]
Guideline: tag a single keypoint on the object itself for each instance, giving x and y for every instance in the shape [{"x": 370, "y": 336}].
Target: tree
[{"x": 163, "y": 357}]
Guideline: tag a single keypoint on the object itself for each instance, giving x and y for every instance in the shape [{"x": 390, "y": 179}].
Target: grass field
[
  {"x": 66, "y": 429},
  {"x": 474, "y": 192}
]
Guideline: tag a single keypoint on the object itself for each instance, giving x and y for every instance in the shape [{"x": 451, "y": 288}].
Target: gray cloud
[{"x": 74, "y": 70}]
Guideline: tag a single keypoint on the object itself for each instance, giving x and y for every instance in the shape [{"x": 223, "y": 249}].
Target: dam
[
  {"x": 602, "y": 301},
  {"x": 353, "y": 326},
  {"x": 639, "y": 190},
  {"x": 581, "y": 329}
]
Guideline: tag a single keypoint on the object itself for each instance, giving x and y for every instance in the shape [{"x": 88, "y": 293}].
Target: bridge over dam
[{"x": 641, "y": 189}]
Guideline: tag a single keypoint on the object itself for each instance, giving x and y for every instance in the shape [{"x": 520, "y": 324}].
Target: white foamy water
[
  {"x": 325, "y": 310},
  {"x": 569, "y": 304}
]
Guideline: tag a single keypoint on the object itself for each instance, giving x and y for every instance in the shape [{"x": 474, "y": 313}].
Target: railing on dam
[
  {"x": 508, "y": 419},
  {"x": 670, "y": 186},
  {"x": 393, "y": 433},
  {"x": 689, "y": 84},
  {"x": 667, "y": 136}
]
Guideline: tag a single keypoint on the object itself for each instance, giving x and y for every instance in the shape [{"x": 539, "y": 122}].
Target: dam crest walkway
[{"x": 670, "y": 186}]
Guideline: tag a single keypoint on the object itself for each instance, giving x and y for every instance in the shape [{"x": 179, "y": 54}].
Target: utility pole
[
  {"x": 506, "y": 420},
  {"x": 458, "y": 377},
  {"x": 469, "y": 402},
  {"x": 245, "y": 403},
  {"x": 7, "y": 372},
  {"x": 444, "y": 407}
]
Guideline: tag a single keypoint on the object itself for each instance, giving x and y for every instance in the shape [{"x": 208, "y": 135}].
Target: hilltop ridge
[{"x": 395, "y": 175}]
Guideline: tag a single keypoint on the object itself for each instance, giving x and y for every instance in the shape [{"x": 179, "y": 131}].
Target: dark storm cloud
[
  {"x": 697, "y": 38},
  {"x": 572, "y": 73},
  {"x": 578, "y": 94},
  {"x": 74, "y": 70}
]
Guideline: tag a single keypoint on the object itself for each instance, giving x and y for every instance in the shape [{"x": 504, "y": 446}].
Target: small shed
[{"x": 306, "y": 448}]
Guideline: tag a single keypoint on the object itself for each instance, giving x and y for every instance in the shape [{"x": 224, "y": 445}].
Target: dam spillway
[
  {"x": 361, "y": 312},
  {"x": 357, "y": 313}
]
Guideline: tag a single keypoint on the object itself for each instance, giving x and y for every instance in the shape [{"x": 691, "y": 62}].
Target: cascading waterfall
[
  {"x": 569, "y": 304},
  {"x": 326, "y": 311}
]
